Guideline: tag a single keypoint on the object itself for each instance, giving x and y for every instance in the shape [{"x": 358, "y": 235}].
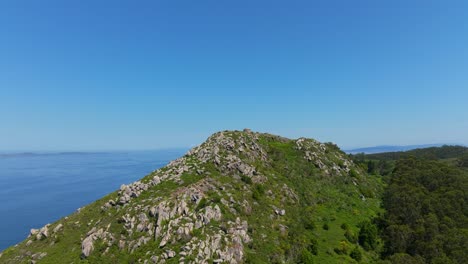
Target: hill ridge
[{"x": 238, "y": 197}]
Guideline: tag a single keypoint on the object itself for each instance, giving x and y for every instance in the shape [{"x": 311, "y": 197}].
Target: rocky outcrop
[
  {"x": 58, "y": 228},
  {"x": 41, "y": 233},
  {"x": 222, "y": 150},
  {"x": 331, "y": 162},
  {"x": 87, "y": 245}
]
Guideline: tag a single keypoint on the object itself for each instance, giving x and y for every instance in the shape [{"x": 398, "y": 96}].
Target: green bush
[
  {"x": 353, "y": 173},
  {"x": 342, "y": 249},
  {"x": 356, "y": 254},
  {"x": 306, "y": 257},
  {"x": 350, "y": 236},
  {"x": 246, "y": 179},
  {"x": 368, "y": 235},
  {"x": 325, "y": 226},
  {"x": 258, "y": 191},
  {"x": 201, "y": 204},
  {"x": 313, "y": 246},
  {"x": 403, "y": 258},
  {"x": 309, "y": 224}
]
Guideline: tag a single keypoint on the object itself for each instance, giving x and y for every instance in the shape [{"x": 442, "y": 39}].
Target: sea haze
[{"x": 36, "y": 189}]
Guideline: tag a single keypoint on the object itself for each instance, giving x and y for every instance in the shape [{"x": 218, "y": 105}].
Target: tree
[
  {"x": 306, "y": 257},
  {"x": 371, "y": 167},
  {"x": 356, "y": 254},
  {"x": 368, "y": 235}
]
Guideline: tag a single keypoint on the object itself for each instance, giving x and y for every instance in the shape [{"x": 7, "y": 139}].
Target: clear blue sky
[{"x": 82, "y": 75}]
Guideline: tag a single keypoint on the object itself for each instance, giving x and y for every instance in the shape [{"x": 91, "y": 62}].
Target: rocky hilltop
[{"x": 240, "y": 197}]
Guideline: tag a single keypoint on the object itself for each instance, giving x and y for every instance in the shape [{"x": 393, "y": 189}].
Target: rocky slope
[{"x": 240, "y": 197}]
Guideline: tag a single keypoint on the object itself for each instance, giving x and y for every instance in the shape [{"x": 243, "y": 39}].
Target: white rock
[
  {"x": 87, "y": 246},
  {"x": 58, "y": 228}
]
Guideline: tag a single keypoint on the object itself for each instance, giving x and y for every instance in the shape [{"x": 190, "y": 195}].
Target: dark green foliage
[
  {"x": 313, "y": 246},
  {"x": 309, "y": 223},
  {"x": 371, "y": 167},
  {"x": 353, "y": 173},
  {"x": 254, "y": 259},
  {"x": 343, "y": 248},
  {"x": 463, "y": 161},
  {"x": 246, "y": 179},
  {"x": 325, "y": 226},
  {"x": 258, "y": 191},
  {"x": 403, "y": 258},
  {"x": 351, "y": 236},
  {"x": 374, "y": 166},
  {"x": 306, "y": 257},
  {"x": 356, "y": 254},
  {"x": 433, "y": 153},
  {"x": 368, "y": 235},
  {"x": 201, "y": 204},
  {"x": 426, "y": 203},
  {"x": 384, "y": 167},
  {"x": 344, "y": 226},
  {"x": 426, "y": 218}
]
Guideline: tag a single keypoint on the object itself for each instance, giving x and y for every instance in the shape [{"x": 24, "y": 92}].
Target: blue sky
[{"x": 81, "y": 75}]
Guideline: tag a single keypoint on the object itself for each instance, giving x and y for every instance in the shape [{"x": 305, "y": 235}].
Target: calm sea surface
[{"x": 40, "y": 189}]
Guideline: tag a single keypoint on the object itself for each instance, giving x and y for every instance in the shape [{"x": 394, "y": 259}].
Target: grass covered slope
[{"x": 240, "y": 197}]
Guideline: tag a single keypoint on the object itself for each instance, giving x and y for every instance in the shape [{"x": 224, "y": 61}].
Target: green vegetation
[
  {"x": 291, "y": 201},
  {"x": 356, "y": 254},
  {"x": 433, "y": 153},
  {"x": 426, "y": 212},
  {"x": 368, "y": 235},
  {"x": 425, "y": 203}
]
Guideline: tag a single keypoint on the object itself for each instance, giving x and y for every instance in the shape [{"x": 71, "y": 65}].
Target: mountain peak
[{"x": 238, "y": 197}]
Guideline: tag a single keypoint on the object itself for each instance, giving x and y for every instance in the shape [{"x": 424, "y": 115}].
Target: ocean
[{"x": 36, "y": 189}]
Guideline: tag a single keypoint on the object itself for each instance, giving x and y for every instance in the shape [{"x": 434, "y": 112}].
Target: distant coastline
[
  {"x": 19, "y": 154},
  {"x": 34, "y": 154},
  {"x": 389, "y": 148}
]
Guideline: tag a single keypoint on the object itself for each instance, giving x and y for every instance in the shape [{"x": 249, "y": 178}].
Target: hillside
[
  {"x": 390, "y": 148},
  {"x": 240, "y": 197},
  {"x": 384, "y": 163},
  {"x": 432, "y": 153}
]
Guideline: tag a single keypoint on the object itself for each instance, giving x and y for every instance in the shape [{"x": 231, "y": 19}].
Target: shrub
[
  {"x": 313, "y": 246},
  {"x": 246, "y": 179},
  {"x": 309, "y": 224},
  {"x": 368, "y": 235},
  {"x": 201, "y": 204},
  {"x": 356, "y": 254},
  {"x": 214, "y": 197},
  {"x": 258, "y": 191},
  {"x": 306, "y": 257},
  {"x": 350, "y": 236},
  {"x": 342, "y": 248},
  {"x": 325, "y": 226},
  {"x": 353, "y": 173},
  {"x": 403, "y": 258},
  {"x": 307, "y": 218}
]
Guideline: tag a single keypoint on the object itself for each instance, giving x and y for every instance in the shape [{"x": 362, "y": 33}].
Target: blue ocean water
[{"x": 40, "y": 189}]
